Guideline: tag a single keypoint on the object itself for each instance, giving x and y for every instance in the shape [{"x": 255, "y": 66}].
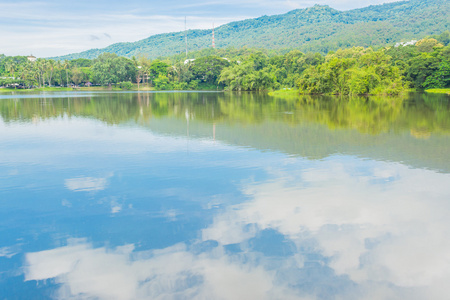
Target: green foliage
[
  {"x": 109, "y": 69},
  {"x": 424, "y": 65},
  {"x": 81, "y": 62},
  {"x": 245, "y": 77},
  {"x": 444, "y": 38},
  {"x": 438, "y": 91},
  {"x": 8, "y": 64},
  {"x": 158, "y": 68},
  {"x": 78, "y": 76},
  {"x": 181, "y": 72},
  {"x": 285, "y": 94},
  {"x": 288, "y": 68},
  {"x": 193, "y": 85},
  {"x": 207, "y": 69},
  {"x": 126, "y": 85},
  {"x": 353, "y": 71},
  {"x": 440, "y": 78},
  {"x": 350, "y": 71},
  {"x": 10, "y": 82},
  {"x": 427, "y": 45},
  {"x": 162, "y": 83},
  {"x": 421, "y": 67}
]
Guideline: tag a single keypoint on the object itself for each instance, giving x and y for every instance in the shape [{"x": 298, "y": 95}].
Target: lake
[{"x": 175, "y": 195}]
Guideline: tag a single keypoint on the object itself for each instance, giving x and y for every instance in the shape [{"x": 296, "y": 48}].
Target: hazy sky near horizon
[{"x": 57, "y": 27}]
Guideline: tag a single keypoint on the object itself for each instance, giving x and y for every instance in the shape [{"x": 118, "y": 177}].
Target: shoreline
[
  {"x": 93, "y": 89},
  {"x": 438, "y": 91}
]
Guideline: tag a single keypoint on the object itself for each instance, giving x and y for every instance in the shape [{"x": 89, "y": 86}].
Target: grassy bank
[
  {"x": 438, "y": 91},
  {"x": 285, "y": 93},
  {"x": 294, "y": 93}
]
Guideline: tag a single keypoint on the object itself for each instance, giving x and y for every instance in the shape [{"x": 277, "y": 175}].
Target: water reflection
[
  {"x": 169, "y": 273},
  {"x": 84, "y": 184},
  {"x": 315, "y": 127},
  {"x": 222, "y": 196},
  {"x": 342, "y": 228},
  {"x": 420, "y": 114}
]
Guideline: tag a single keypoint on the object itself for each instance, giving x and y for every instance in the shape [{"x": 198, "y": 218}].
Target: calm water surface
[{"x": 224, "y": 196}]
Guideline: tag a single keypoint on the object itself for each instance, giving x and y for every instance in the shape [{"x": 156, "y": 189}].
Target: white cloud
[
  {"x": 62, "y": 33},
  {"x": 53, "y": 29}
]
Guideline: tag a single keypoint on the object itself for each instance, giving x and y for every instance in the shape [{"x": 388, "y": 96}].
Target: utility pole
[{"x": 185, "y": 36}]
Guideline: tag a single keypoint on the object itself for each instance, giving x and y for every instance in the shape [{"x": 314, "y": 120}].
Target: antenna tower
[
  {"x": 185, "y": 36},
  {"x": 213, "y": 39}
]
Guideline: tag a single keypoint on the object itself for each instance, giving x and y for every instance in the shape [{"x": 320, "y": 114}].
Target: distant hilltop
[{"x": 316, "y": 29}]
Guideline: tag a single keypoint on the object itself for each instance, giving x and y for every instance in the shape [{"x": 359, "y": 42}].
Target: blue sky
[{"x": 57, "y": 27}]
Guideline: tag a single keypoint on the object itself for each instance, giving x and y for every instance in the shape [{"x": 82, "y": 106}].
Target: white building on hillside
[{"x": 31, "y": 58}]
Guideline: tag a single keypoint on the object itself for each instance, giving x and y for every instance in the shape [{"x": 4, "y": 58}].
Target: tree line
[{"x": 389, "y": 70}]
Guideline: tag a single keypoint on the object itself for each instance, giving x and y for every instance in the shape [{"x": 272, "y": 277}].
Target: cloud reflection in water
[
  {"x": 387, "y": 226},
  {"x": 86, "y": 184},
  {"x": 161, "y": 274},
  {"x": 377, "y": 232}
]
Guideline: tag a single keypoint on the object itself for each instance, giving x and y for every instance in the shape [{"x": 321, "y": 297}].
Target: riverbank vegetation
[
  {"x": 354, "y": 71},
  {"x": 439, "y": 91}
]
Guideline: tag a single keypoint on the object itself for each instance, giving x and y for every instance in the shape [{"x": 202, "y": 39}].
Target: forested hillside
[{"x": 316, "y": 29}]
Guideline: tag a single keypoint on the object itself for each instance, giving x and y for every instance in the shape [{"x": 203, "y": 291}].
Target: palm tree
[
  {"x": 66, "y": 66},
  {"x": 40, "y": 68},
  {"x": 10, "y": 66},
  {"x": 24, "y": 72},
  {"x": 139, "y": 70},
  {"x": 50, "y": 68},
  {"x": 145, "y": 63},
  {"x": 59, "y": 68}
]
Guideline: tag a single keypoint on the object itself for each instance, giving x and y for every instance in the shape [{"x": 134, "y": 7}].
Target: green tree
[
  {"x": 158, "y": 68},
  {"x": 182, "y": 72},
  {"x": 50, "y": 64},
  {"x": 77, "y": 76},
  {"x": 420, "y": 68},
  {"x": 10, "y": 67},
  {"x": 110, "y": 69},
  {"x": 440, "y": 78},
  {"x": 162, "y": 82},
  {"x": 427, "y": 45},
  {"x": 207, "y": 69},
  {"x": 66, "y": 66},
  {"x": 353, "y": 71},
  {"x": 81, "y": 63}
]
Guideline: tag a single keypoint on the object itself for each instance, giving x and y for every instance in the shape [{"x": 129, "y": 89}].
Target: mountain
[{"x": 317, "y": 29}]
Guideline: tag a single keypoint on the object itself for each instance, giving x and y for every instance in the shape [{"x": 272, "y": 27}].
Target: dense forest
[
  {"x": 420, "y": 65},
  {"x": 316, "y": 29}
]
